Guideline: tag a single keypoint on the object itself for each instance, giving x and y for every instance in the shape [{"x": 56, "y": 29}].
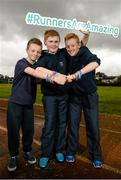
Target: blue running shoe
[
  {"x": 43, "y": 162},
  {"x": 97, "y": 163},
  {"x": 60, "y": 157},
  {"x": 70, "y": 158}
]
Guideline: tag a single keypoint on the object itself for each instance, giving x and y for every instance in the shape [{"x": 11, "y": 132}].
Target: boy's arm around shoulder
[{"x": 85, "y": 37}]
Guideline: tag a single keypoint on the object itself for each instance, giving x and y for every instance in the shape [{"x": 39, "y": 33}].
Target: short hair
[
  {"x": 51, "y": 33},
  {"x": 34, "y": 41},
  {"x": 72, "y": 36}
]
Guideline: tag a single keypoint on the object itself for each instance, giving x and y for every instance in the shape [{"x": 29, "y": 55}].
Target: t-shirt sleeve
[
  {"x": 89, "y": 57},
  {"x": 19, "y": 70},
  {"x": 21, "y": 66}
]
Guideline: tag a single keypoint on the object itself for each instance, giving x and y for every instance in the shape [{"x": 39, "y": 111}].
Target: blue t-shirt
[{"x": 24, "y": 85}]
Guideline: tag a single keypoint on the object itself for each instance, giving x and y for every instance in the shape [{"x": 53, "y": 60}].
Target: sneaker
[
  {"x": 30, "y": 158},
  {"x": 97, "y": 163},
  {"x": 70, "y": 158},
  {"x": 60, "y": 157},
  {"x": 43, "y": 162},
  {"x": 12, "y": 165}
]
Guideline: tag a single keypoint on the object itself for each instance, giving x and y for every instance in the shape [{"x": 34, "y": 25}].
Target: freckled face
[
  {"x": 72, "y": 46},
  {"x": 52, "y": 43}
]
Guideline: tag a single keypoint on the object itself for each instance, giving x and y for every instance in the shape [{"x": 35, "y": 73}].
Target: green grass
[
  {"x": 109, "y": 98},
  {"x": 5, "y": 91},
  {"x": 39, "y": 95}
]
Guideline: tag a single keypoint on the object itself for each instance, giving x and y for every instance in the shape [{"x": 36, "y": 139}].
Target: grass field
[{"x": 109, "y": 98}]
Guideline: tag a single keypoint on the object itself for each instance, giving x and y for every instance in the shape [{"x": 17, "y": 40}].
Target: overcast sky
[{"x": 14, "y": 32}]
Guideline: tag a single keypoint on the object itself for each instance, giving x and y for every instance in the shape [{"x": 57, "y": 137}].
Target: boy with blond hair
[{"x": 20, "y": 106}]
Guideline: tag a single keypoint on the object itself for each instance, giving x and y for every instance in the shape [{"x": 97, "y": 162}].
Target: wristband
[
  {"x": 49, "y": 77},
  {"x": 78, "y": 75},
  {"x": 52, "y": 75}
]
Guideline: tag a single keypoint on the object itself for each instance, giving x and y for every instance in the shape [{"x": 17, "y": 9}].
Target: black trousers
[
  {"x": 20, "y": 116},
  {"x": 53, "y": 133},
  {"x": 89, "y": 105}
]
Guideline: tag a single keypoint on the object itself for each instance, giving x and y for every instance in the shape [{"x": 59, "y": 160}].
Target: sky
[{"x": 15, "y": 33}]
